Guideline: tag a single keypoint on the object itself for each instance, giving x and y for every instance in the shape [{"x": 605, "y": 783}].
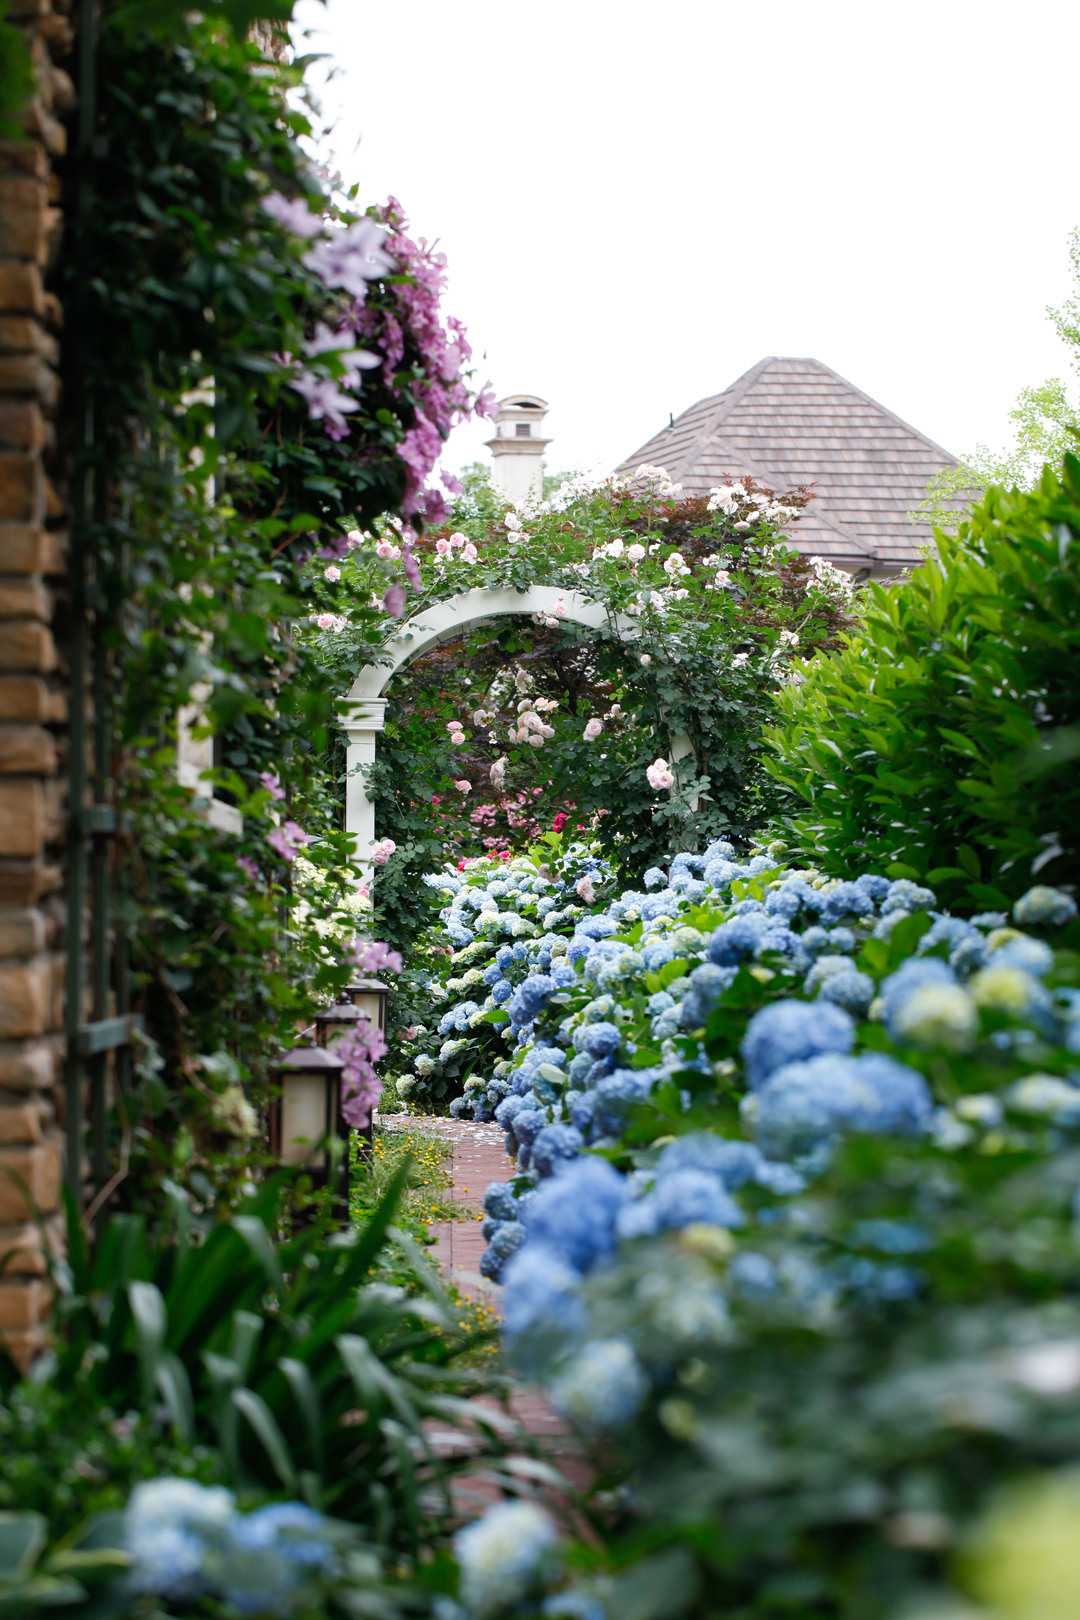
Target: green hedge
[{"x": 942, "y": 741}]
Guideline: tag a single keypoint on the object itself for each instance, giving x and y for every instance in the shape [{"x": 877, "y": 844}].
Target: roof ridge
[
  {"x": 730, "y": 397},
  {"x": 884, "y": 409}
]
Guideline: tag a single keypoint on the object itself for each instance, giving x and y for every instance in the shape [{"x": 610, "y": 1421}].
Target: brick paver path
[{"x": 480, "y": 1158}]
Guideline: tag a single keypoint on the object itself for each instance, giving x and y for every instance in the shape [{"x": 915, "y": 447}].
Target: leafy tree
[{"x": 1045, "y": 418}]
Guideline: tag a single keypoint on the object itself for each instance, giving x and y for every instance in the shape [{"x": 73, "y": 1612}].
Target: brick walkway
[{"x": 480, "y": 1158}]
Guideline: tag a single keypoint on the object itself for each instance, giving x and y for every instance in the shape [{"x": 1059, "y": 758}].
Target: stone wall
[{"x": 33, "y": 696}]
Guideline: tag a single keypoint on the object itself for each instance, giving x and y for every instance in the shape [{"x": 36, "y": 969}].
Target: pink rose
[
  {"x": 333, "y": 573},
  {"x": 584, "y": 888},
  {"x": 659, "y": 775},
  {"x": 464, "y": 785},
  {"x": 382, "y": 851},
  {"x": 442, "y": 547},
  {"x": 592, "y": 730}
]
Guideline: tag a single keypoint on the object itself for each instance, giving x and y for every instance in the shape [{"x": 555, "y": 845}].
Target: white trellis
[{"x": 364, "y": 709}]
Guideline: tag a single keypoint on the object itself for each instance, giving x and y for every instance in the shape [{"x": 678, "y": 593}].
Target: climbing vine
[{"x": 269, "y": 370}]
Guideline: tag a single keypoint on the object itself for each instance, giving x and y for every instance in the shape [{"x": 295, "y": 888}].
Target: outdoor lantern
[
  {"x": 369, "y": 997},
  {"x": 305, "y": 1115},
  {"x": 334, "y": 1022}
]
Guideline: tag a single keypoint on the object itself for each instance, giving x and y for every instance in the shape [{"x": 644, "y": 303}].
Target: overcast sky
[{"x": 638, "y": 202}]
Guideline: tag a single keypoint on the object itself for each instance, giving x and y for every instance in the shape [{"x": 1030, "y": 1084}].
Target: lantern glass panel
[
  {"x": 304, "y": 1125},
  {"x": 370, "y": 1004}
]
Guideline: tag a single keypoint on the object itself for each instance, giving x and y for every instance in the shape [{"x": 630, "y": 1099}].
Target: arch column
[{"x": 361, "y": 723}]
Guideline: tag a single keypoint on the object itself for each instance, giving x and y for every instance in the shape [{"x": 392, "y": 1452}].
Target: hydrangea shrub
[{"x": 794, "y": 1238}]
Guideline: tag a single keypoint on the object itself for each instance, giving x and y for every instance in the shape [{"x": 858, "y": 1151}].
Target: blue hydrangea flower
[
  {"x": 683, "y": 1198},
  {"x": 1044, "y": 907},
  {"x": 616, "y": 1094},
  {"x": 591, "y": 928},
  {"x": 555, "y": 1147},
  {"x": 872, "y": 884},
  {"x": 530, "y": 998},
  {"x": 845, "y": 900},
  {"x": 852, "y": 990},
  {"x": 737, "y": 940},
  {"x": 603, "y": 1387},
  {"x": 503, "y": 1556},
  {"x": 270, "y": 1558},
  {"x": 575, "y": 1213},
  {"x": 597, "y": 1040},
  {"x": 904, "y": 895},
  {"x": 527, "y": 1124},
  {"x": 1030, "y": 955},
  {"x": 542, "y": 1307},
  {"x": 804, "y": 1105},
  {"x": 733, "y": 1162},
  {"x": 504, "y": 1243},
  {"x": 790, "y": 1031},
  {"x": 911, "y": 976},
  {"x": 171, "y": 1526},
  {"x": 499, "y": 1200},
  {"x": 581, "y": 1106}
]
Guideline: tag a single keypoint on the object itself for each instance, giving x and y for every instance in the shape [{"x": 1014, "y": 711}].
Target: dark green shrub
[{"x": 942, "y": 741}]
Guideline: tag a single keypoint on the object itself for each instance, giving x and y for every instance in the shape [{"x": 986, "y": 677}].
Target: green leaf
[
  {"x": 906, "y": 935},
  {"x": 175, "y": 1388},
  {"x": 259, "y": 1418},
  {"x": 149, "y": 1315},
  {"x": 22, "y": 1539},
  {"x": 306, "y": 1396},
  {"x": 969, "y": 860}
]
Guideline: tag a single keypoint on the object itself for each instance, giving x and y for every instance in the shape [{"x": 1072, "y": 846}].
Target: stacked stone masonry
[{"x": 33, "y": 694}]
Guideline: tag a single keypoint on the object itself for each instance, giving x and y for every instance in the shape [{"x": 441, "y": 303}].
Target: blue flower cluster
[
  {"x": 186, "y": 1541},
  {"x": 632, "y": 1021},
  {"x": 503, "y": 933}
]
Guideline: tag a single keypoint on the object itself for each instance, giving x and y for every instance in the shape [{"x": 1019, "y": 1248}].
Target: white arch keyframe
[{"x": 364, "y": 709}]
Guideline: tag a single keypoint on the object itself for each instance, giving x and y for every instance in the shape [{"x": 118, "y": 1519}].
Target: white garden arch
[{"x": 364, "y": 709}]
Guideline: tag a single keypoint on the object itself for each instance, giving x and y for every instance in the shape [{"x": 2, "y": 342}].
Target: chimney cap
[{"x": 521, "y": 402}]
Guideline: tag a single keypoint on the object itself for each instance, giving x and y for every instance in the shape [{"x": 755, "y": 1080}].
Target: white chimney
[{"x": 518, "y": 447}]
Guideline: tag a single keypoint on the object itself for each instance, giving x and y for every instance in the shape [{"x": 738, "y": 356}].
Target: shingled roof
[{"x": 789, "y": 422}]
